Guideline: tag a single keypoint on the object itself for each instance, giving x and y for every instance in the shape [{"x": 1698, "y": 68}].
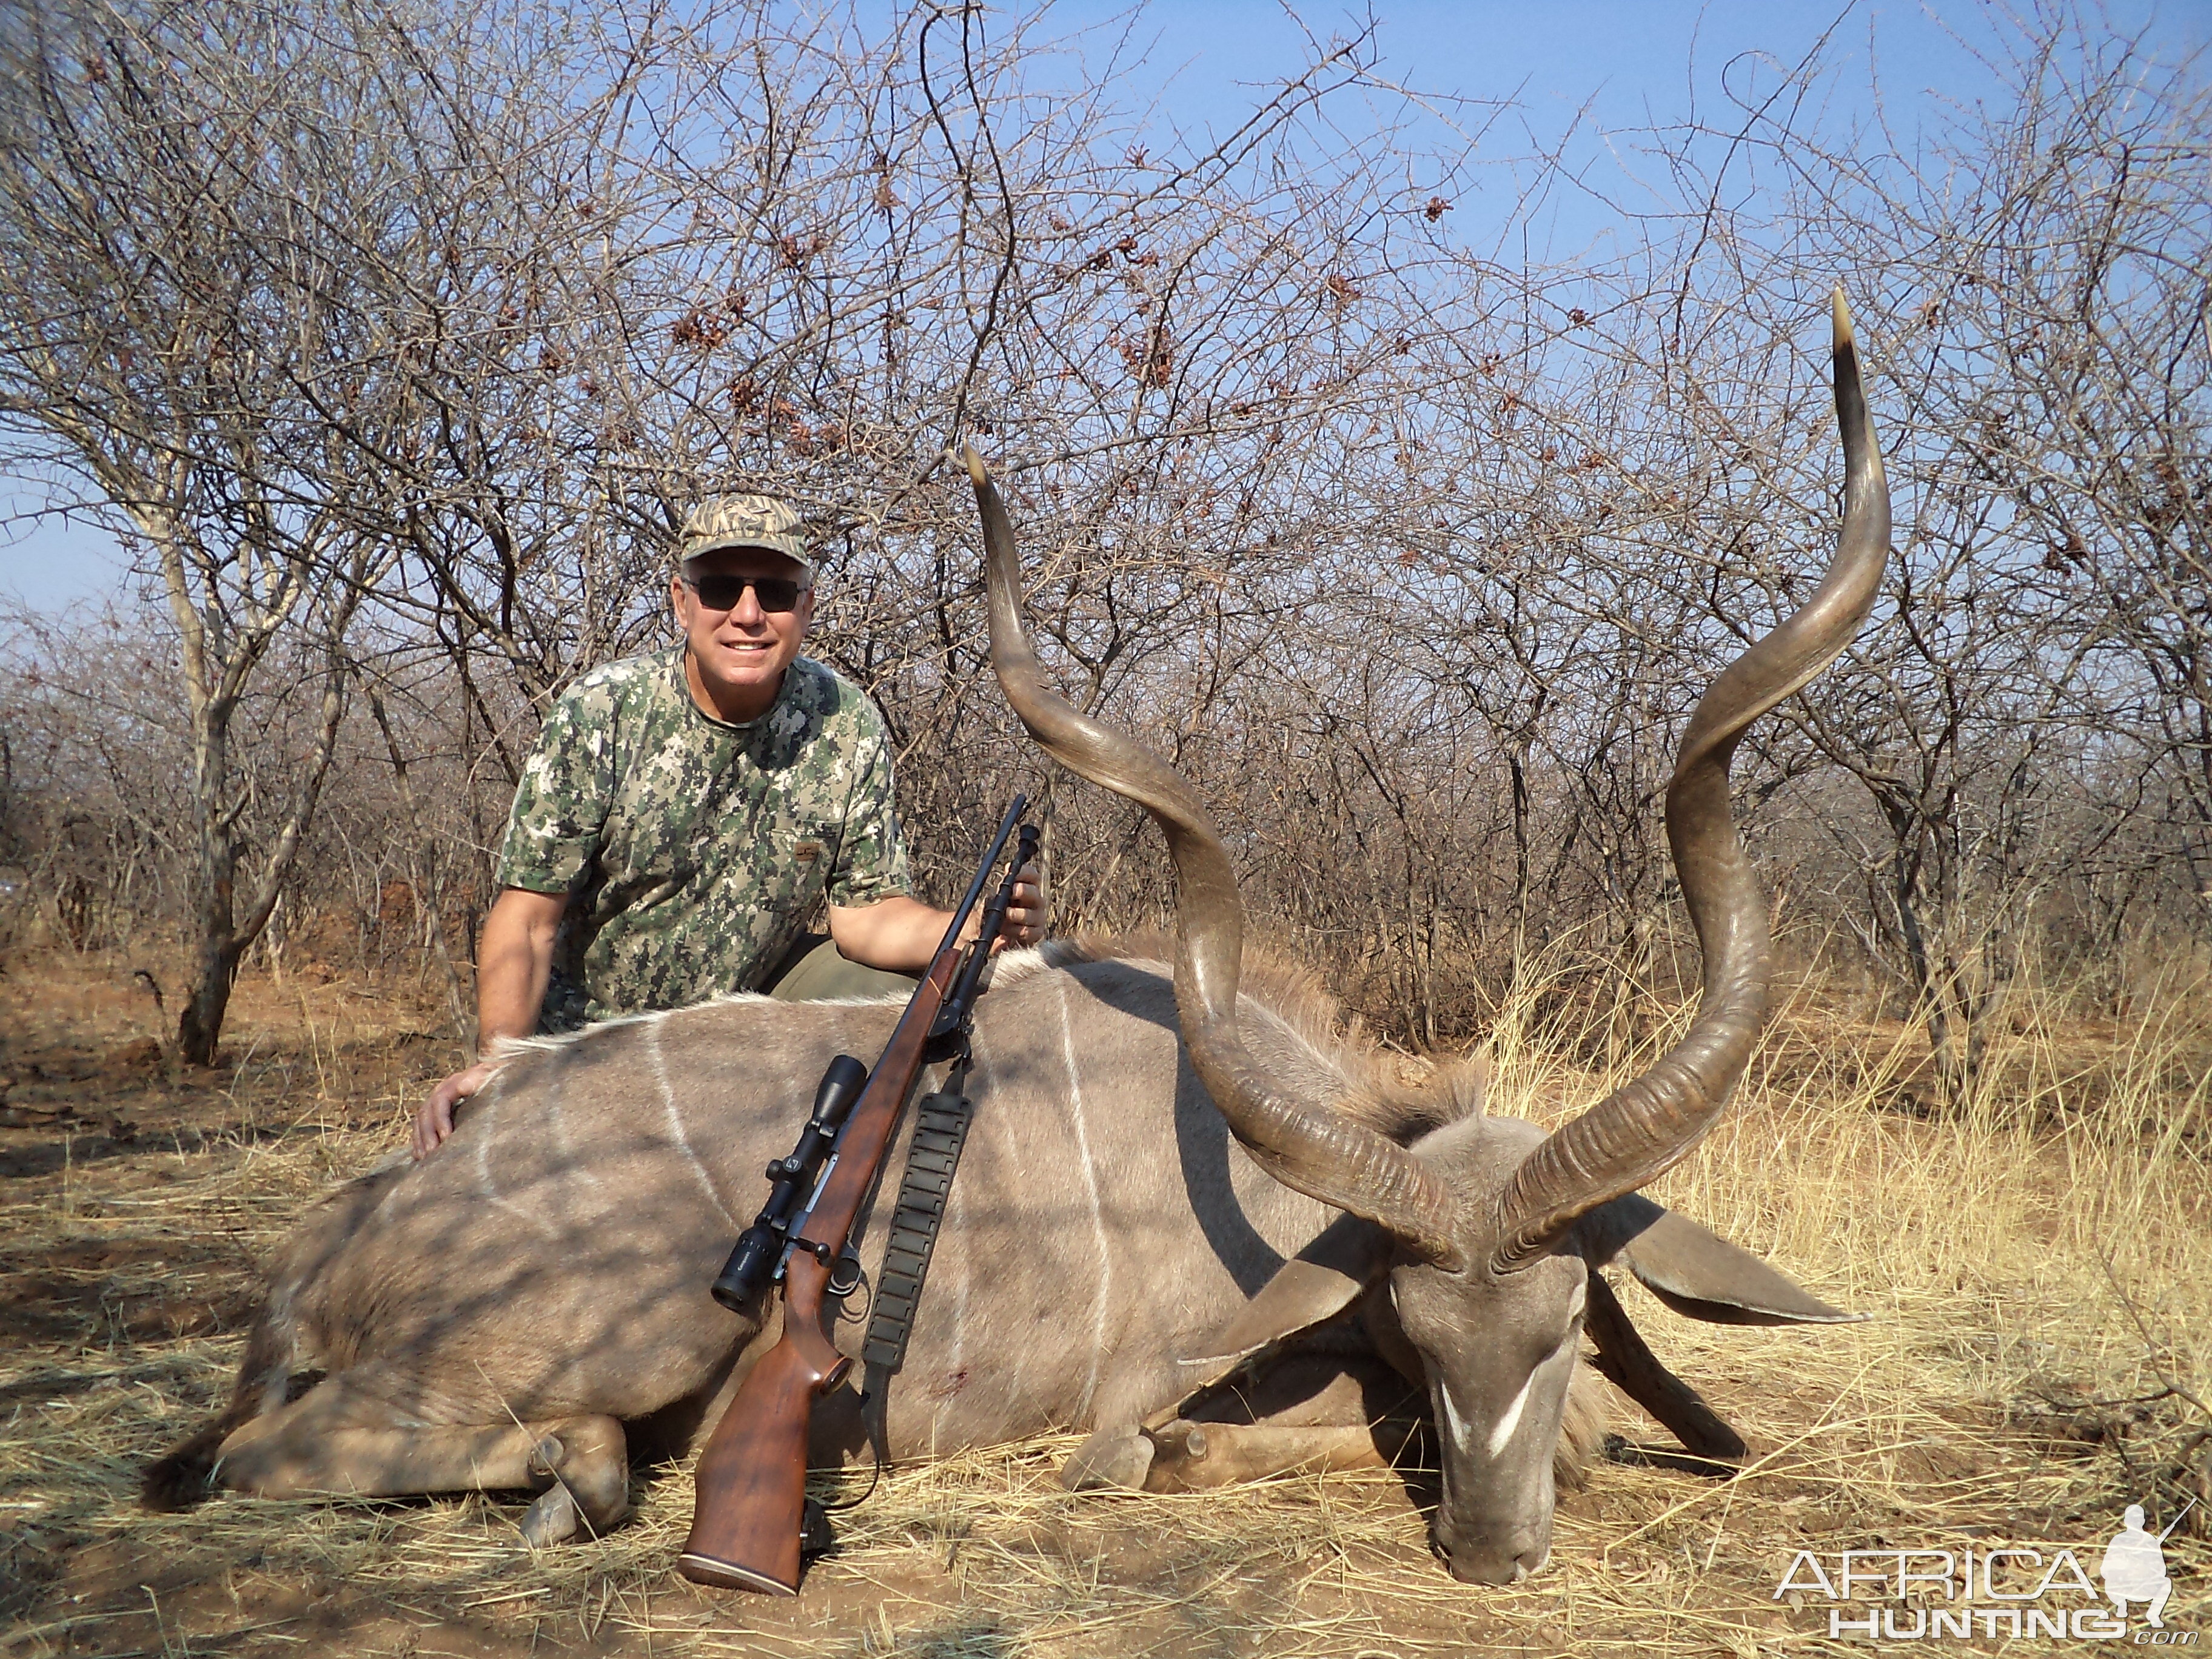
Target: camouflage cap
[{"x": 744, "y": 521}]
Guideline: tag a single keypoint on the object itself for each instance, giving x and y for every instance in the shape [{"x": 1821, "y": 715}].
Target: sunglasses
[{"x": 721, "y": 591}]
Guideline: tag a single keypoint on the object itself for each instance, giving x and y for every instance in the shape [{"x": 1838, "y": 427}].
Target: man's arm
[
  {"x": 900, "y": 934},
  {"x": 514, "y": 958}
]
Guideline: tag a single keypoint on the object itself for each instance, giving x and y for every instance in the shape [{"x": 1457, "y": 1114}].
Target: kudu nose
[{"x": 1473, "y": 1565}]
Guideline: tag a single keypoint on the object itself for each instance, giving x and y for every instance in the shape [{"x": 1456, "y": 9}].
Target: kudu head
[{"x": 1490, "y": 1226}]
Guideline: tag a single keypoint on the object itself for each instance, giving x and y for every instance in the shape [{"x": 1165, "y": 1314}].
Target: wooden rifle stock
[{"x": 751, "y": 1480}]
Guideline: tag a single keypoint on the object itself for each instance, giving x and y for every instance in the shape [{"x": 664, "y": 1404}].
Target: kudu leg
[
  {"x": 1186, "y": 1456},
  {"x": 1314, "y": 1413},
  {"x": 336, "y": 1440},
  {"x": 1626, "y": 1361},
  {"x": 1190, "y": 1457}
]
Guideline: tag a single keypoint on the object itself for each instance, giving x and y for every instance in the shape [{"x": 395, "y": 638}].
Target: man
[{"x": 685, "y": 811}]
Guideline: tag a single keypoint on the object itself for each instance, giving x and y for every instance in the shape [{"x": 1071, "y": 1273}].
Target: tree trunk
[
  {"x": 200, "y": 1025},
  {"x": 430, "y": 899},
  {"x": 215, "y": 966},
  {"x": 1930, "y": 1000},
  {"x": 223, "y": 937}
]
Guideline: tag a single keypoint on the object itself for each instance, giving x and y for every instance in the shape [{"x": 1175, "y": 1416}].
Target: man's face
[{"x": 741, "y": 650}]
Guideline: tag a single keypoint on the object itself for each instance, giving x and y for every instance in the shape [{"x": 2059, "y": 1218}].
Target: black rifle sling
[{"x": 940, "y": 1129}]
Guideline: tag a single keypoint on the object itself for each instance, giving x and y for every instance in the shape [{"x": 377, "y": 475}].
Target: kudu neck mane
[{"x": 1373, "y": 1093}]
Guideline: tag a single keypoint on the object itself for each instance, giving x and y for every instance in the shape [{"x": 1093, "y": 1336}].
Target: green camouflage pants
[{"x": 815, "y": 971}]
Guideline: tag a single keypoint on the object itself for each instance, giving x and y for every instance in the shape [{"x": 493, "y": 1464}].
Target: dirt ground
[{"x": 2022, "y": 1379}]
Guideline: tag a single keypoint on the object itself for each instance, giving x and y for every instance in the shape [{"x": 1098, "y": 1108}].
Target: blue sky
[{"x": 1582, "y": 67}]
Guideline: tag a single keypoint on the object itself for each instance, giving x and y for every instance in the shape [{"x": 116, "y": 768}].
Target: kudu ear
[
  {"x": 1315, "y": 1286},
  {"x": 1696, "y": 1272}
]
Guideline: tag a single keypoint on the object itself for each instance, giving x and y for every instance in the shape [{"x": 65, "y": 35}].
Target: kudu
[{"x": 528, "y": 1304}]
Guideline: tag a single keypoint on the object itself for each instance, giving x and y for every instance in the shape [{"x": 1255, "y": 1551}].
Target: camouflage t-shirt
[{"x": 693, "y": 852}]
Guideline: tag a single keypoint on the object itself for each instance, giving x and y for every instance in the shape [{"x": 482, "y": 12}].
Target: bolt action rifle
[{"x": 751, "y": 1482}]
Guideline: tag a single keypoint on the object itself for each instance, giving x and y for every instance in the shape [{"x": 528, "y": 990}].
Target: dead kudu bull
[{"x": 520, "y": 1308}]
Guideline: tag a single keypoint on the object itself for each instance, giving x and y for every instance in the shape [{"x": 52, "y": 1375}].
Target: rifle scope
[{"x": 753, "y": 1264}]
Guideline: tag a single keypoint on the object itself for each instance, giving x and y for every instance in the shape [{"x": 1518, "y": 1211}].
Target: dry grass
[{"x": 2039, "y": 1268}]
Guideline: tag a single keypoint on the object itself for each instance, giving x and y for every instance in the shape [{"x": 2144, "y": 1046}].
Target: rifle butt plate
[{"x": 727, "y": 1575}]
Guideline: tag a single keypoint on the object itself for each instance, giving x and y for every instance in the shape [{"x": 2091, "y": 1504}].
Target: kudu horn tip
[
  {"x": 1839, "y": 314},
  {"x": 977, "y": 474}
]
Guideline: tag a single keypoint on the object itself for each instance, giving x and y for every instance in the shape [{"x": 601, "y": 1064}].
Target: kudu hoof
[
  {"x": 1111, "y": 1460},
  {"x": 590, "y": 1472},
  {"x": 553, "y": 1519},
  {"x": 1179, "y": 1453}
]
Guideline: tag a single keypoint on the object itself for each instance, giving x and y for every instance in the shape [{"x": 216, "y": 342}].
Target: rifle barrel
[{"x": 983, "y": 873}]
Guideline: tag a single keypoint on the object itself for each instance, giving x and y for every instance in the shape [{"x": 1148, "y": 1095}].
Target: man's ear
[{"x": 1696, "y": 1272}]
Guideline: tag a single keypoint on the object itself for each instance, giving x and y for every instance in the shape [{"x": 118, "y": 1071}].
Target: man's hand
[
  {"x": 513, "y": 958},
  {"x": 1029, "y": 914},
  {"x": 435, "y": 1121}
]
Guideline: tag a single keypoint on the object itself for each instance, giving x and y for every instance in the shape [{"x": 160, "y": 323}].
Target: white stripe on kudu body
[
  {"x": 1101, "y": 1293},
  {"x": 676, "y": 1129},
  {"x": 484, "y": 1108}
]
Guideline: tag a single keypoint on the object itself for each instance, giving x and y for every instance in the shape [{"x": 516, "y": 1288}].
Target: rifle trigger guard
[
  {"x": 950, "y": 1043},
  {"x": 845, "y": 1276}
]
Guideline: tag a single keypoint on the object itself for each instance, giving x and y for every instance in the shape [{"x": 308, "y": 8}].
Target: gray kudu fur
[{"x": 528, "y": 1306}]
